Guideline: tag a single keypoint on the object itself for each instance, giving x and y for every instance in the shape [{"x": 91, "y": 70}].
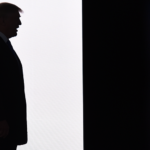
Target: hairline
[{"x": 6, "y": 9}]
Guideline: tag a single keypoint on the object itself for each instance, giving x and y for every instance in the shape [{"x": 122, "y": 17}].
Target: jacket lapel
[{"x": 13, "y": 53}]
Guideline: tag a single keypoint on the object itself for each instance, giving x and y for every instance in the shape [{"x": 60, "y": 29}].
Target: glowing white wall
[{"x": 49, "y": 45}]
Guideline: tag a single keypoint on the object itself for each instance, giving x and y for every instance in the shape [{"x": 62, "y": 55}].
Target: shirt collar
[{"x": 3, "y": 36}]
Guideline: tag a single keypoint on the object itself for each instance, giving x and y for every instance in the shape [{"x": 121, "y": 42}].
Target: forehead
[{"x": 16, "y": 14}]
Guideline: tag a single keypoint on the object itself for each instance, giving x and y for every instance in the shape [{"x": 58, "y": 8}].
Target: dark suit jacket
[{"x": 12, "y": 96}]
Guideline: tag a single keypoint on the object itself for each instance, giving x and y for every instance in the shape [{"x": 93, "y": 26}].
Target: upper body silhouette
[{"x": 13, "y": 108}]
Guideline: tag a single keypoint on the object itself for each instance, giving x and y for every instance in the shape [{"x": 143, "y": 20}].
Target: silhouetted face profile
[{"x": 9, "y": 25}]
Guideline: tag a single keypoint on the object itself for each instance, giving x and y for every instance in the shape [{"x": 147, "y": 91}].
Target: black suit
[{"x": 12, "y": 96}]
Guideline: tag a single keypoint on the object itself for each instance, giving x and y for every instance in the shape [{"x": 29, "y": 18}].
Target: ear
[{"x": 2, "y": 21}]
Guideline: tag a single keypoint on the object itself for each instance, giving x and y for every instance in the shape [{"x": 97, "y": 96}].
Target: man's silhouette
[{"x": 13, "y": 117}]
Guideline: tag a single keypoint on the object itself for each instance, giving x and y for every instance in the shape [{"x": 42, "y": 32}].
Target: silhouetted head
[{"x": 9, "y": 19}]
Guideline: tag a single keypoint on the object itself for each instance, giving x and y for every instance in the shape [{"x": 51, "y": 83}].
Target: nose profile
[{"x": 20, "y": 22}]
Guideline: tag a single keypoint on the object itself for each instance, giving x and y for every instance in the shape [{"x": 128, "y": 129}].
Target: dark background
[{"x": 116, "y": 74}]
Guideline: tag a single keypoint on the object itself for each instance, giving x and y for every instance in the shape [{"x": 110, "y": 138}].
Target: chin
[{"x": 13, "y": 36}]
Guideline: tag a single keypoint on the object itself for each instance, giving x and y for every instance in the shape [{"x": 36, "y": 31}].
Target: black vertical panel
[
  {"x": 117, "y": 81},
  {"x": 147, "y": 73}
]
